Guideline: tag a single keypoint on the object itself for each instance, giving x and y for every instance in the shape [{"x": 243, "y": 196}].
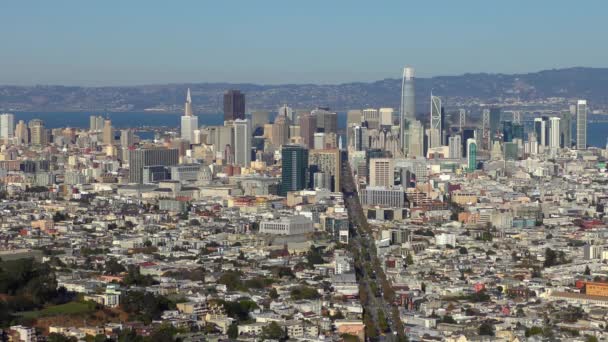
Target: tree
[
  {"x": 382, "y": 323},
  {"x": 409, "y": 259},
  {"x": 486, "y": 329},
  {"x": 233, "y": 331},
  {"x": 587, "y": 270},
  {"x": 55, "y": 337},
  {"x": 273, "y": 294},
  {"x": 273, "y": 331},
  {"x": 112, "y": 267},
  {"x": 463, "y": 250}
]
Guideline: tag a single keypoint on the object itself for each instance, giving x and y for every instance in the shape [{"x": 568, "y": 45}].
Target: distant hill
[{"x": 570, "y": 83}]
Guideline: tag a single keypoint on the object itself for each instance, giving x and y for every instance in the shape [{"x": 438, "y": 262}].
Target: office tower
[
  {"x": 467, "y": 133},
  {"x": 319, "y": 141},
  {"x": 517, "y": 131},
  {"x": 108, "y": 132},
  {"x": 485, "y": 129},
  {"x": 455, "y": 147},
  {"x": 581, "y": 125},
  {"x": 359, "y": 137},
  {"x": 234, "y": 105},
  {"x": 242, "y": 142},
  {"x": 435, "y": 130},
  {"x": 381, "y": 172},
  {"x": 462, "y": 119},
  {"x": 280, "y": 131},
  {"x": 494, "y": 121},
  {"x": 471, "y": 155},
  {"x": 189, "y": 121},
  {"x": 372, "y": 117},
  {"x": 554, "y": 133},
  {"x": 329, "y": 162},
  {"x": 353, "y": 118},
  {"x": 407, "y": 111},
  {"x": 22, "y": 134},
  {"x": 294, "y": 168},
  {"x": 416, "y": 140},
  {"x": 308, "y": 127},
  {"x": 326, "y": 121},
  {"x": 95, "y": 123},
  {"x": 386, "y": 116},
  {"x": 507, "y": 131},
  {"x": 286, "y": 111},
  {"x": 38, "y": 133},
  {"x": 566, "y": 130},
  {"x": 127, "y": 138},
  {"x": 140, "y": 158},
  {"x": 259, "y": 119},
  {"x": 7, "y": 127}
]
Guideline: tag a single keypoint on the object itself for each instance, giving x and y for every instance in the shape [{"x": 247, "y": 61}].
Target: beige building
[{"x": 381, "y": 172}]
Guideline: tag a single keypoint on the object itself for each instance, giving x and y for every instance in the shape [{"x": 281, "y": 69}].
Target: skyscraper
[
  {"x": 189, "y": 121},
  {"x": 38, "y": 133},
  {"x": 416, "y": 139},
  {"x": 471, "y": 155},
  {"x": 581, "y": 125},
  {"x": 372, "y": 116},
  {"x": 294, "y": 168},
  {"x": 462, "y": 119},
  {"x": 259, "y": 118},
  {"x": 386, "y": 116},
  {"x": 554, "y": 133},
  {"x": 326, "y": 121},
  {"x": 7, "y": 127},
  {"x": 381, "y": 172},
  {"x": 494, "y": 121},
  {"x": 21, "y": 133},
  {"x": 455, "y": 147},
  {"x": 308, "y": 127},
  {"x": 287, "y": 111},
  {"x": 95, "y": 123},
  {"x": 234, "y": 105},
  {"x": 149, "y": 157},
  {"x": 566, "y": 128},
  {"x": 329, "y": 162},
  {"x": 280, "y": 131},
  {"x": 108, "y": 132},
  {"x": 407, "y": 112},
  {"x": 127, "y": 137},
  {"x": 242, "y": 142},
  {"x": 436, "y": 128}
]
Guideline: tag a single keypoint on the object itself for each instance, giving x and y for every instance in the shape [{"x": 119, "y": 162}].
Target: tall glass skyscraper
[
  {"x": 435, "y": 131},
  {"x": 471, "y": 154},
  {"x": 407, "y": 112},
  {"x": 581, "y": 125},
  {"x": 294, "y": 168}
]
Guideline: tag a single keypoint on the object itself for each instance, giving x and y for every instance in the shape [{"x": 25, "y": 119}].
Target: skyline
[{"x": 68, "y": 43}]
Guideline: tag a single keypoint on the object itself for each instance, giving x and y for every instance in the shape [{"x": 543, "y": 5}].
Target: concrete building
[
  {"x": 292, "y": 225},
  {"x": 381, "y": 172}
]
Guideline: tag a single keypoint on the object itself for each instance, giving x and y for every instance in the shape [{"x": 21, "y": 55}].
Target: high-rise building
[
  {"x": 554, "y": 133},
  {"x": 455, "y": 147},
  {"x": 189, "y": 121},
  {"x": 38, "y": 132},
  {"x": 407, "y": 111},
  {"x": 566, "y": 130},
  {"x": 372, "y": 116},
  {"x": 386, "y": 116},
  {"x": 328, "y": 162},
  {"x": 294, "y": 168},
  {"x": 234, "y": 105},
  {"x": 22, "y": 134},
  {"x": 242, "y": 142},
  {"x": 280, "y": 131},
  {"x": 127, "y": 138},
  {"x": 381, "y": 172},
  {"x": 108, "y": 132},
  {"x": 416, "y": 140},
  {"x": 7, "y": 127},
  {"x": 494, "y": 121},
  {"x": 581, "y": 125},
  {"x": 486, "y": 133},
  {"x": 326, "y": 121},
  {"x": 259, "y": 118},
  {"x": 287, "y": 111},
  {"x": 436, "y": 128},
  {"x": 140, "y": 158},
  {"x": 308, "y": 127},
  {"x": 95, "y": 123},
  {"x": 353, "y": 118},
  {"x": 471, "y": 155}
]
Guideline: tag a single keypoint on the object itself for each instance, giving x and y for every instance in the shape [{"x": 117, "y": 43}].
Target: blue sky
[{"x": 330, "y": 41}]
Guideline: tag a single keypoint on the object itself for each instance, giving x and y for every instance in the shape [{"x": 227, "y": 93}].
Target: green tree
[
  {"x": 55, "y": 337},
  {"x": 486, "y": 329},
  {"x": 233, "y": 331},
  {"x": 587, "y": 270},
  {"x": 409, "y": 259},
  {"x": 273, "y": 331},
  {"x": 273, "y": 294}
]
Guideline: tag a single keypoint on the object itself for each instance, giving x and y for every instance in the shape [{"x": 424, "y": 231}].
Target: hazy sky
[{"x": 325, "y": 41}]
